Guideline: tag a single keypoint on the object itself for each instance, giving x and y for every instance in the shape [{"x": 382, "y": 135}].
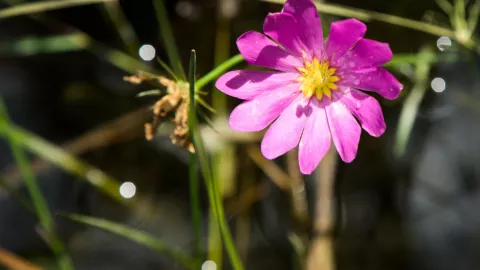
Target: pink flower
[{"x": 313, "y": 96}]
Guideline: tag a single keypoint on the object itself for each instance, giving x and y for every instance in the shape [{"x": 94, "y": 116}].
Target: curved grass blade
[
  {"x": 137, "y": 236},
  {"x": 41, "y": 209}
]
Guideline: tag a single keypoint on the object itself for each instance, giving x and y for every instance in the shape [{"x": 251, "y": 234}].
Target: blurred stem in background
[
  {"x": 47, "y": 229},
  {"x": 321, "y": 251},
  {"x": 167, "y": 36},
  {"x": 413, "y": 100},
  {"x": 114, "y": 12}
]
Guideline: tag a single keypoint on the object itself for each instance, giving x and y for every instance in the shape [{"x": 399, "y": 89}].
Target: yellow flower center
[{"x": 318, "y": 78}]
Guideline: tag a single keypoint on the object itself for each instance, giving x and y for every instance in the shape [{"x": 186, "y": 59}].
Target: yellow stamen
[{"x": 318, "y": 79}]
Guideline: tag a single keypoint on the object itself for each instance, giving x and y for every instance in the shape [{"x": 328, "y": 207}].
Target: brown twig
[
  {"x": 278, "y": 176},
  {"x": 12, "y": 261}
]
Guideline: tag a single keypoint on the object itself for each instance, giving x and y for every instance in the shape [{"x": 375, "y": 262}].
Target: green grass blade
[
  {"x": 194, "y": 185},
  {"x": 42, "y": 6},
  {"x": 168, "y": 38},
  {"x": 214, "y": 197},
  {"x": 40, "y": 205},
  {"x": 137, "y": 236}
]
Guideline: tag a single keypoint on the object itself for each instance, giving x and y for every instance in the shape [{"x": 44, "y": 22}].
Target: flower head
[{"x": 313, "y": 95}]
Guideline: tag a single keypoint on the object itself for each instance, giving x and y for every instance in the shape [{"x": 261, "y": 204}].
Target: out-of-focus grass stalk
[
  {"x": 63, "y": 159},
  {"x": 43, "y": 213},
  {"x": 42, "y": 6},
  {"x": 214, "y": 196},
  {"x": 322, "y": 252},
  {"x": 367, "y": 15},
  {"x": 299, "y": 208},
  {"x": 194, "y": 185},
  {"x": 412, "y": 102},
  {"x": 115, "y": 57},
  {"x": 219, "y": 70},
  {"x": 137, "y": 236},
  {"x": 113, "y": 11},
  {"x": 168, "y": 38}
]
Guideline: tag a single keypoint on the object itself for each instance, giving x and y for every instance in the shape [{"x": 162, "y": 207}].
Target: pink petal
[
  {"x": 365, "y": 54},
  {"x": 284, "y": 134},
  {"x": 345, "y": 130},
  {"x": 378, "y": 80},
  {"x": 283, "y": 28},
  {"x": 315, "y": 140},
  {"x": 258, "y": 113},
  {"x": 343, "y": 35},
  {"x": 259, "y": 50},
  {"x": 367, "y": 110},
  {"x": 309, "y": 24},
  {"x": 247, "y": 84}
]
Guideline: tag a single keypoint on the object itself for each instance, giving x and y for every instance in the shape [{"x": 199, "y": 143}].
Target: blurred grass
[
  {"x": 114, "y": 13},
  {"x": 64, "y": 160},
  {"x": 412, "y": 102},
  {"x": 43, "y": 6},
  {"x": 137, "y": 236},
  {"x": 168, "y": 38},
  {"x": 41, "y": 208}
]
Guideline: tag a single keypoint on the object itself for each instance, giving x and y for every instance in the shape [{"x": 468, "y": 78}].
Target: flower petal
[
  {"x": 365, "y": 54},
  {"x": 315, "y": 140},
  {"x": 285, "y": 132},
  {"x": 283, "y": 28},
  {"x": 378, "y": 80},
  {"x": 343, "y": 35},
  {"x": 309, "y": 24},
  {"x": 258, "y": 113},
  {"x": 345, "y": 130},
  {"x": 259, "y": 50},
  {"x": 367, "y": 110},
  {"x": 247, "y": 84}
]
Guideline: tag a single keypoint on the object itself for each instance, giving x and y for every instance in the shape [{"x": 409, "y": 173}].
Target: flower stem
[
  {"x": 194, "y": 186},
  {"x": 219, "y": 70}
]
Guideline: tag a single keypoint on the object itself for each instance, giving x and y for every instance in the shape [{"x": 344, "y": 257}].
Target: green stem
[
  {"x": 168, "y": 38},
  {"x": 219, "y": 70},
  {"x": 194, "y": 186},
  {"x": 39, "y": 202}
]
